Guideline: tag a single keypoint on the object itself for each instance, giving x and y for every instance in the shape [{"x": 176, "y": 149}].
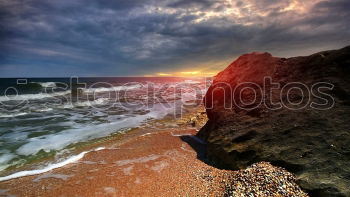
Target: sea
[{"x": 46, "y": 117}]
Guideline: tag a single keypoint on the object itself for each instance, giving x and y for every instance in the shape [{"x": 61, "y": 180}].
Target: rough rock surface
[{"x": 310, "y": 139}]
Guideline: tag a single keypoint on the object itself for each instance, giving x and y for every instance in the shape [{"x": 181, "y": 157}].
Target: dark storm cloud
[
  {"x": 190, "y": 3},
  {"x": 136, "y": 37},
  {"x": 334, "y": 5}
]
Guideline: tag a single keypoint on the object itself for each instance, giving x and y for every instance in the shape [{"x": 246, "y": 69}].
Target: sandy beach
[
  {"x": 162, "y": 159},
  {"x": 153, "y": 162},
  {"x": 145, "y": 162},
  {"x": 161, "y": 163}
]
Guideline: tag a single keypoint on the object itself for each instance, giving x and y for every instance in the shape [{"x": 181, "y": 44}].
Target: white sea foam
[
  {"x": 4, "y": 159},
  {"x": 48, "y": 168},
  {"x": 78, "y": 124},
  {"x": 14, "y": 136},
  {"x": 12, "y": 115},
  {"x": 85, "y": 132},
  {"x": 46, "y": 84},
  {"x": 192, "y": 82},
  {"x": 23, "y": 97},
  {"x": 44, "y": 110},
  {"x": 112, "y": 89},
  {"x": 6, "y": 156},
  {"x": 99, "y": 101}
]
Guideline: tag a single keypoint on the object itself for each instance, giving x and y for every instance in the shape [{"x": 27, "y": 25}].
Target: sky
[{"x": 62, "y": 38}]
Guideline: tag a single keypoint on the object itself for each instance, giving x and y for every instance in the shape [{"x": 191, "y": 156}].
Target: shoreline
[
  {"x": 78, "y": 150},
  {"x": 160, "y": 159},
  {"x": 145, "y": 165},
  {"x": 116, "y": 138}
]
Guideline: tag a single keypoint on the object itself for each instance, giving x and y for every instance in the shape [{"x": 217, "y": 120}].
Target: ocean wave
[
  {"x": 43, "y": 110},
  {"x": 4, "y": 159},
  {"x": 12, "y": 115},
  {"x": 99, "y": 101},
  {"x": 70, "y": 136},
  {"x": 72, "y": 159},
  {"x": 85, "y": 132},
  {"x": 23, "y": 97},
  {"x": 79, "y": 124},
  {"x": 192, "y": 82},
  {"x": 46, "y": 84},
  {"x": 112, "y": 89}
]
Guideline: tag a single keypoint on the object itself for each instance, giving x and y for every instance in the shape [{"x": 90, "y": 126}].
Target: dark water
[{"x": 41, "y": 117}]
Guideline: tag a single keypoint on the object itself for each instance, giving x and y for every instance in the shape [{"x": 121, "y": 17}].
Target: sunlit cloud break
[{"x": 139, "y": 38}]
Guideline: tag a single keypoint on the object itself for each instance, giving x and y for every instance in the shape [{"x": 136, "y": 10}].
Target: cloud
[
  {"x": 137, "y": 37},
  {"x": 192, "y": 3}
]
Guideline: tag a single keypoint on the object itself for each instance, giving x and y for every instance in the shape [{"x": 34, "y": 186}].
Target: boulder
[{"x": 291, "y": 112}]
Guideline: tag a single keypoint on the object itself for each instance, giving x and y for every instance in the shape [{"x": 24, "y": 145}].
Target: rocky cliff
[{"x": 292, "y": 112}]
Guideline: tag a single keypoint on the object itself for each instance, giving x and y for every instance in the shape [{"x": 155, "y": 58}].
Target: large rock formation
[{"x": 303, "y": 127}]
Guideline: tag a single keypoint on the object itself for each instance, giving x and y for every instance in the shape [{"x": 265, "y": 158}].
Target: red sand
[{"x": 157, "y": 164}]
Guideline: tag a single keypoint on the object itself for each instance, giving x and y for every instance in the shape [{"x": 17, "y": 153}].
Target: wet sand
[{"x": 162, "y": 163}]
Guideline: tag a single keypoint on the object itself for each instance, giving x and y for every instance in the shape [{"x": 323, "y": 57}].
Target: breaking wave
[{"x": 71, "y": 159}]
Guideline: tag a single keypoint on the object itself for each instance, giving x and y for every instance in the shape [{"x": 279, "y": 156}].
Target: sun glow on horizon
[
  {"x": 164, "y": 74},
  {"x": 190, "y": 73},
  {"x": 194, "y": 69},
  {"x": 183, "y": 74}
]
